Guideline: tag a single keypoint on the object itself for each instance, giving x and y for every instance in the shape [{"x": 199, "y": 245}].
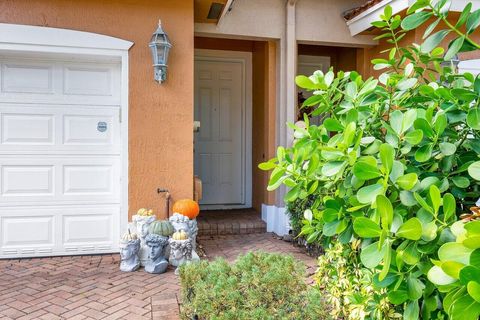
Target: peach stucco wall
[{"x": 161, "y": 116}]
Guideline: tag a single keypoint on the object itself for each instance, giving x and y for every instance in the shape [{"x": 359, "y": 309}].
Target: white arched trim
[{"x": 45, "y": 36}]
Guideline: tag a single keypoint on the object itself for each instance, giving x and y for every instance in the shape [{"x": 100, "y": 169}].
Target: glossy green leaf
[
  {"x": 473, "y": 228},
  {"x": 411, "y": 311},
  {"x": 423, "y": 125},
  {"x": 371, "y": 256},
  {"x": 397, "y": 296},
  {"x": 366, "y": 228},
  {"x": 452, "y": 268},
  {"x": 333, "y": 124},
  {"x": 473, "y": 289},
  {"x": 473, "y": 21},
  {"x": 469, "y": 273},
  {"x": 305, "y": 82},
  {"x": 387, "y": 259},
  {"x": 331, "y": 168},
  {"x": 435, "y": 198},
  {"x": 472, "y": 242},
  {"x": 474, "y": 170},
  {"x": 429, "y": 231},
  {"x": 447, "y": 148},
  {"x": 415, "y": 20},
  {"x": 433, "y": 41},
  {"x": 396, "y": 121},
  {"x": 437, "y": 276},
  {"x": 465, "y": 308},
  {"x": 424, "y": 153},
  {"x": 422, "y": 202},
  {"x": 385, "y": 209},
  {"x": 369, "y": 193},
  {"x": 407, "y": 181},
  {"x": 406, "y": 84},
  {"x": 454, "y": 47},
  {"x": 449, "y": 206},
  {"x": 453, "y": 251},
  {"x": 387, "y": 155},
  {"x": 267, "y": 166},
  {"x": 473, "y": 118},
  {"x": 464, "y": 15},
  {"x": 461, "y": 182},
  {"x": 414, "y": 137},
  {"x": 365, "y": 171},
  {"x": 411, "y": 229},
  {"x": 415, "y": 288}
]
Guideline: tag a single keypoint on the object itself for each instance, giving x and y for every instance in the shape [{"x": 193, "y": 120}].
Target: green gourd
[{"x": 162, "y": 228}]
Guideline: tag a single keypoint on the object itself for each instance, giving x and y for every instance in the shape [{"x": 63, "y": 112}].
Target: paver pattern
[{"x": 92, "y": 287}]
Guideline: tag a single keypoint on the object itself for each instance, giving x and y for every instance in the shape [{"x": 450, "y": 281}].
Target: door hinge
[{"x": 120, "y": 115}]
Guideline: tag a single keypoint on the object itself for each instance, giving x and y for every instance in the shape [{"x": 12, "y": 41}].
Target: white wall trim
[
  {"x": 246, "y": 59},
  {"x": 277, "y": 219},
  {"x": 54, "y": 42},
  {"x": 45, "y": 36},
  {"x": 364, "y": 20}
]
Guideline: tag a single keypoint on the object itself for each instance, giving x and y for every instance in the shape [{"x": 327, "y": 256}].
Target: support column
[{"x": 288, "y": 90}]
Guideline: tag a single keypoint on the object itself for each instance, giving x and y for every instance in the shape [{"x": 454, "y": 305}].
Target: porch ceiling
[{"x": 202, "y": 8}]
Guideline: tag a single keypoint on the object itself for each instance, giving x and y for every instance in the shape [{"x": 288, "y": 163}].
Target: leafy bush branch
[{"x": 396, "y": 159}]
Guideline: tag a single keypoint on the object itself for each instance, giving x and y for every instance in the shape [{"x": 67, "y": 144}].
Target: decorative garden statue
[
  {"x": 129, "y": 247},
  {"x": 156, "y": 263},
  {"x": 181, "y": 222},
  {"x": 180, "y": 249},
  {"x": 142, "y": 224}
]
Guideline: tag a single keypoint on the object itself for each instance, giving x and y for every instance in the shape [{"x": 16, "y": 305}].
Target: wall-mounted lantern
[{"x": 160, "y": 46}]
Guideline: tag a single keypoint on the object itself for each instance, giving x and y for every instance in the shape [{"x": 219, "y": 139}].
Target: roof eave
[{"x": 363, "y": 21}]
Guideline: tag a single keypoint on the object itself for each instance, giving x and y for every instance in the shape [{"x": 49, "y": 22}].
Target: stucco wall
[
  {"x": 318, "y": 21},
  {"x": 161, "y": 116}
]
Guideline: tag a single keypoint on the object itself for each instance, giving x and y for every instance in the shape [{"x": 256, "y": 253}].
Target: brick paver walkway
[{"x": 92, "y": 287}]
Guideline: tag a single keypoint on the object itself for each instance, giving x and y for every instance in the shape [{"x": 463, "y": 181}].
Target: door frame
[
  {"x": 65, "y": 43},
  {"x": 245, "y": 59}
]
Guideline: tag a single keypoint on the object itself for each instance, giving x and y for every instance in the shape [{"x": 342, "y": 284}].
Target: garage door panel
[
  {"x": 59, "y": 129},
  {"x": 27, "y": 129},
  {"x": 81, "y": 230},
  {"x": 80, "y": 80},
  {"x": 88, "y": 179},
  {"x": 28, "y": 231},
  {"x": 54, "y": 230},
  {"x": 88, "y": 130},
  {"x": 27, "y": 78},
  {"x": 27, "y": 180},
  {"x": 59, "y": 179}
]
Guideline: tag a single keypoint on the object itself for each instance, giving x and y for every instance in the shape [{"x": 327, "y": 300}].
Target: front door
[{"x": 220, "y": 144}]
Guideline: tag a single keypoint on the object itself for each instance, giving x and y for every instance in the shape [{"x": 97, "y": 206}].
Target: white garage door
[{"x": 60, "y": 156}]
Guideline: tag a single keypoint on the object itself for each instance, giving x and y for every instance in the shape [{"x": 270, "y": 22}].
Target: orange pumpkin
[{"x": 187, "y": 207}]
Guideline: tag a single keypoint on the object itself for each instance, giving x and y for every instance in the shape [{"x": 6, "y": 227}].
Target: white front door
[
  {"x": 60, "y": 156},
  {"x": 221, "y": 154}
]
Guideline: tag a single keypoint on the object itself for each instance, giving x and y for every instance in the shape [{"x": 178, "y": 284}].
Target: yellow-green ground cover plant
[
  {"x": 393, "y": 166},
  {"x": 256, "y": 286}
]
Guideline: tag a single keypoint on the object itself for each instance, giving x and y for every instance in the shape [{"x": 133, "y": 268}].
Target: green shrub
[
  {"x": 256, "y": 286},
  {"x": 396, "y": 159},
  {"x": 347, "y": 286},
  {"x": 295, "y": 211}
]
